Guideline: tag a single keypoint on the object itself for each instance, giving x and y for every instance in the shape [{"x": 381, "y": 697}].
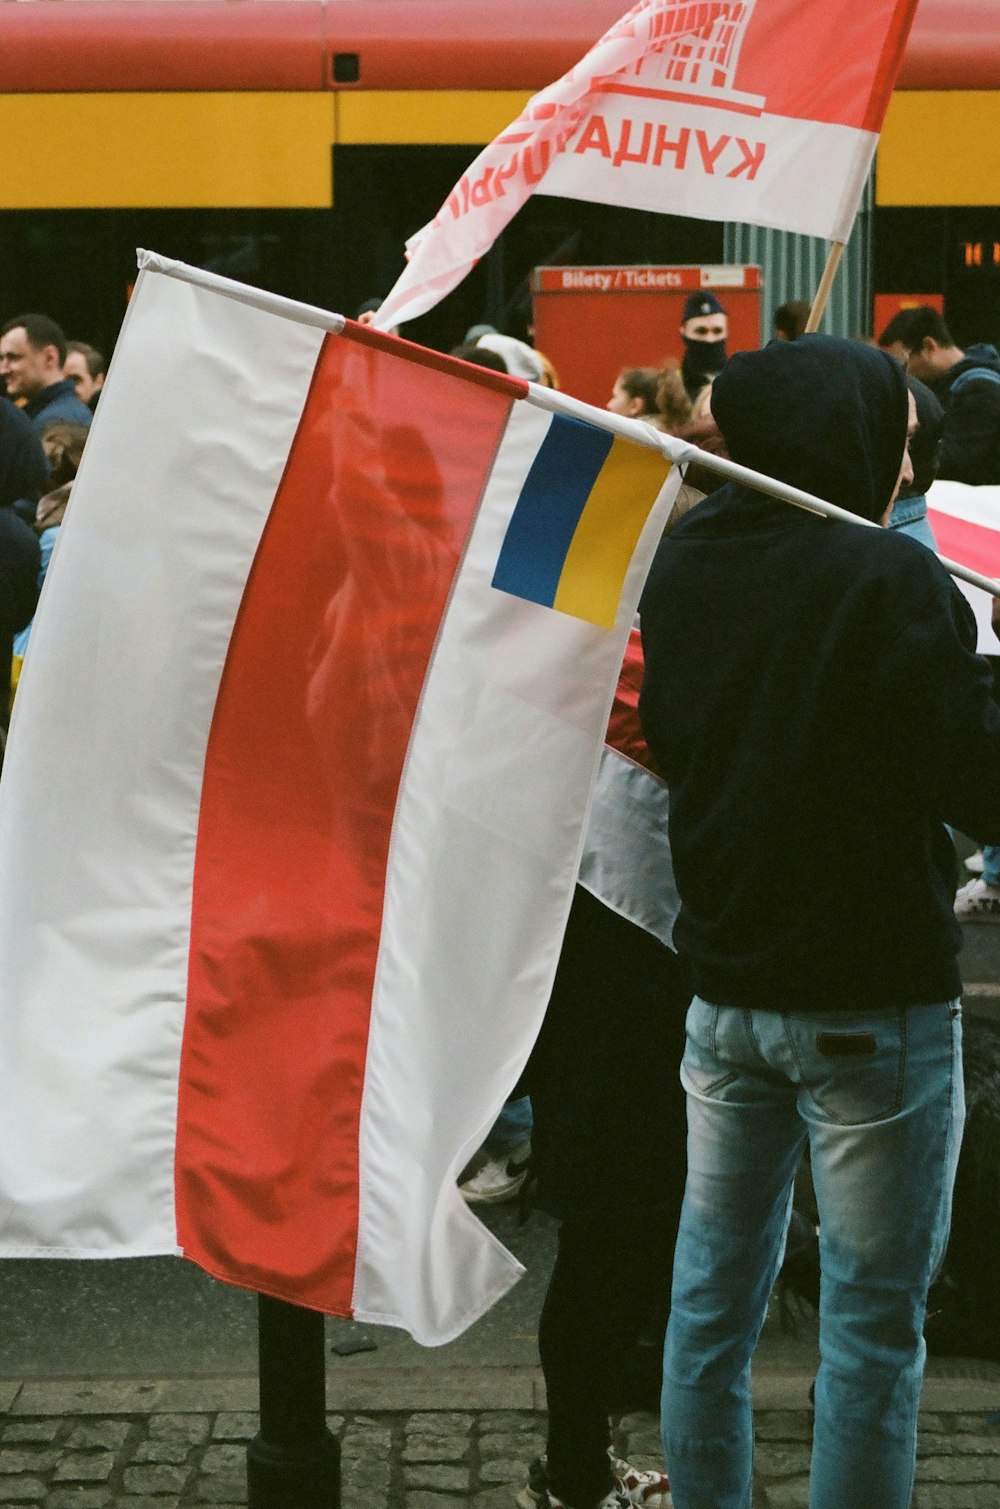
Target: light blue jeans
[
  {"x": 879, "y": 1099},
  {"x": 511, "y": 1128},
  {"x": 910, "y": 517}
]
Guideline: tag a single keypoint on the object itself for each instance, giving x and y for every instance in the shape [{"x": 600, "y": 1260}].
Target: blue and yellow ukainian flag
[{"x": 580, "y": 511}]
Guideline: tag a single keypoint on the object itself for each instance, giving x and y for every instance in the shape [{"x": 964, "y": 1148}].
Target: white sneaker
[
  {"x": 612, "y": 1500},
  {"x": 637, "y": 1489},
  {"x": 645, "y": 1490},
  {"x": 499, "y": 1178},
  {"x": 974, "y": 863},
  {"x": 978, "y": 902}
]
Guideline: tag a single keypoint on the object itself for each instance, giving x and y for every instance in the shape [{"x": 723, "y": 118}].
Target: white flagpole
[
  {"x": 677, "y": 451},
  {"x": 681, "y": 453}
]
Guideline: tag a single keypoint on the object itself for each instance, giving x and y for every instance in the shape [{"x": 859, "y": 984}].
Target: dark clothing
[
  {"x": 608, "y": 1136},
  {"x": 970, "y": 440},
  {"x": 814, "y": 698},
  {"x": 924, "y": 444},
  {"x": 703, "y": 361},
  {"x": 57, "y": 402},
  {"x": 23, "y": 468},
  {"x": 603, "y": 1286},
  {"x": 20, "y": 560},
  {"x": 616, "y": 1011},
  {"x": 825, "y": 415}
]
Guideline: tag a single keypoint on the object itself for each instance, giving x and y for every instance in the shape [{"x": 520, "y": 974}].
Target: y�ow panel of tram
[{"x": 296, "y": 144}]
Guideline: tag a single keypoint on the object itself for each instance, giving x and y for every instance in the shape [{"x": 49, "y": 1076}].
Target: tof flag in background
[
  {"x": 627, "y": 863},
  {"x": 294, "y": 799},
  {"x": 763, "y": 111},
  {"x": 966, "y": 525}
]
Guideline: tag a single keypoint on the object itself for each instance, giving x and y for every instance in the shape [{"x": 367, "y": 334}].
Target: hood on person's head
[
  {"x": 521, "y": 359},
  {"x": 823, "y": 414}
]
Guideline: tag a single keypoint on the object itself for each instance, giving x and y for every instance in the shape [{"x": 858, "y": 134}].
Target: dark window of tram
[
  {"x": 346, "y": 68},
  {"x": 954, "y": 252}
]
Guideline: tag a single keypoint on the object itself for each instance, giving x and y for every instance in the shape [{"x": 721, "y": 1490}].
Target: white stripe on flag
[
  {"x": 811, "y": 177},
  {"x": 508, "y": 736},
  {"x": 627, "y": 862},
  {"x": 119, "y": 702},
  {"x": 165, "y": 519},
  {"x": 976, "y": 505},
  {"x": 979, "y": 507}
]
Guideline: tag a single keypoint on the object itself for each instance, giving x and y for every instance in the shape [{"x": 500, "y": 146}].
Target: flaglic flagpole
[
  {"x": 294, "y": 1460},
  {"x": 680, "y": 452},
  {"x": 822, "y": 298}
]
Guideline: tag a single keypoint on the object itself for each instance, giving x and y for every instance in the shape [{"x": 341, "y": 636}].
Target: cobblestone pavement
[
  {"x": 958, "y": 1460},
  {"x": 176, "y": 1446}
]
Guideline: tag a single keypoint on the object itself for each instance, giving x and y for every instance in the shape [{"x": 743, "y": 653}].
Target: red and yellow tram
[{"x": 297, "y": 143}]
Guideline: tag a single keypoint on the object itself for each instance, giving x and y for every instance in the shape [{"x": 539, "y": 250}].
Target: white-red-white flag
[
  {"x": 966, "y": 525},
  {"x": 764, "y": 111},
  {"x": 295, "y": 795}
]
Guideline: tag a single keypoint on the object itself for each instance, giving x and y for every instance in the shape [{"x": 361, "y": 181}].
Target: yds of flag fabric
[
  {"x": 626, "y": 860},
  {"x": 764, "y": 111},
  {"x": 966, "y": 525},
  {"x": 292, "y": 810}
]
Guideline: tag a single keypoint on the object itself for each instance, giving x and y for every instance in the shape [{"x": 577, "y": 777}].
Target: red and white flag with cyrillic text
[
  {"x": 763, "y": 111},
  {"x": 295, "y": 795}
]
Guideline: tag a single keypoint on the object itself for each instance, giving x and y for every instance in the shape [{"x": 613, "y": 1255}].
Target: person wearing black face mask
[{"x": 704, "y": 329}]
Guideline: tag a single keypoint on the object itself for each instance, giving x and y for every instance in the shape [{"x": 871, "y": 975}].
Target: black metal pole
[{"x": 294, "y": 1461}]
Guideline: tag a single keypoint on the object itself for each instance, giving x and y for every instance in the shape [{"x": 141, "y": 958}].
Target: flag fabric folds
[
  {"x": 626, "y": 860},
  {"x": 966, "y": 525},
  {"x": 763, "y": 111},
  {"x": 294, "y": 801}
]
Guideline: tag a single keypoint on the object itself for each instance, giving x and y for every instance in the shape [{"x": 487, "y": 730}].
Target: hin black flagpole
[{"x": 294, "y": 1460}]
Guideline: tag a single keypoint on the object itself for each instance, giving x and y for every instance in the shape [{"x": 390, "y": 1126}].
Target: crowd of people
[
  {"x": 813, "y": 696},
  {"x": 810, "y": 695},
  {"x": 49, "y": 388}
]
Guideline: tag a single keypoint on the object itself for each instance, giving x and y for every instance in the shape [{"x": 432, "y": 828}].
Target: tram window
[{"x": 346, "y": 68}]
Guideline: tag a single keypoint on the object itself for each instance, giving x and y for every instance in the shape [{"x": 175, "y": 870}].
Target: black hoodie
[
  {"x": 813, "y": 694},
  {"x": 20, "y": 561},
  {"x": 970, "y": 440}
]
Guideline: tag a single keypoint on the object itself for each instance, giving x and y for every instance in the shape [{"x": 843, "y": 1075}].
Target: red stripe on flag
[
  {"x": 889, "y": 63},
  {"x": 624, "y": 729},
  {"x": 845, "y": 66},
  {"x": 501, "y": 382},
  {"x": 304, "y": 761},
  {"x": 973, "y": 545}
]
